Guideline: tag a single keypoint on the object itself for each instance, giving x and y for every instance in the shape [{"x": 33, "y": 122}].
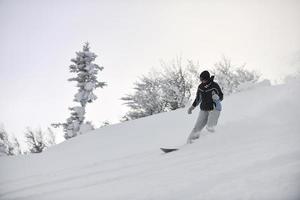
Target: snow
[
  {"x": 89, "y": 86},
  {"x": 254, "y": 154},
  {"x": 79, "y": 110},
  {"x": 84, "y": 128},
  {"x": 252, "y": 85},
  {"x": 79, "y": 96}
]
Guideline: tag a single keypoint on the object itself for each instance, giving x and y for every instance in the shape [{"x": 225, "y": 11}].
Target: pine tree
[{"x": 86, "y": 78}]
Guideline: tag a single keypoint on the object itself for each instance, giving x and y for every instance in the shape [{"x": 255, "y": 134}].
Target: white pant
[{"x": 209, "y": 118}]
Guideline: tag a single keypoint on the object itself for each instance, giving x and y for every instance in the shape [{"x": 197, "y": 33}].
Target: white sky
[{"x": 38, "y": 39}]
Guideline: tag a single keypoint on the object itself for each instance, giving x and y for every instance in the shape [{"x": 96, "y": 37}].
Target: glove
[
  {"x": 215, "y": 97},
  {"x": 190, "y": 110}
]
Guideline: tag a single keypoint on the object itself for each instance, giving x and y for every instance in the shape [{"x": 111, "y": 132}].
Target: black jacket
[{"x": 204, "y": 94}]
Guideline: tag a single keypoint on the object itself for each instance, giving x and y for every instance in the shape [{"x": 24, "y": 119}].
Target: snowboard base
[{"x": 168, "y": 150}]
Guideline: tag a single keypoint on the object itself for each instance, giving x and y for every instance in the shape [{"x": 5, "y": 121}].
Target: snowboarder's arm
[
  {"x": 197, "y": 101},
  {"x": 220, "y": 93}
]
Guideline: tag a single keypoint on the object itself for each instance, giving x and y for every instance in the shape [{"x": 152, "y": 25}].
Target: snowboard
[{"x": 168, "y": 150}]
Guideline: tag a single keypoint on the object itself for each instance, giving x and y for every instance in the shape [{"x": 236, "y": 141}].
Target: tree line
[
  {"x": 169, "y": 88},
  {"x": 36, "y": 141}
]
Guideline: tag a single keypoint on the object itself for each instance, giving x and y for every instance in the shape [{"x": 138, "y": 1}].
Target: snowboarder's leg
[
  {"x": 212, "y": 121},
  {"x": 200, "y": 124}
]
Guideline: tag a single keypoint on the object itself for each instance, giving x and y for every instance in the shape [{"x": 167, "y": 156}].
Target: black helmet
[{"x": 204, "y": 75}]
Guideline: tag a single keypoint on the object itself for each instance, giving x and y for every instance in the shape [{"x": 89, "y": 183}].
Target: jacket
[{"x": 204, "y": 95}]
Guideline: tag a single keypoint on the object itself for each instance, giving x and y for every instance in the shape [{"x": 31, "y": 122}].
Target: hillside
[{"x": 254, "y": 154}]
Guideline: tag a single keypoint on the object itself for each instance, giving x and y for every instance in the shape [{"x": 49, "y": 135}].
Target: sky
[{"x": 39, "y": 37}]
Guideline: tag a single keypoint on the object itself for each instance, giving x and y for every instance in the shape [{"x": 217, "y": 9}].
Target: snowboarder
[{"x": 209, "y": 96}]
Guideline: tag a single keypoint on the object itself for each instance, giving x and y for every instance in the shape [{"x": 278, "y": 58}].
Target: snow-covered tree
[
  {"x": 35, "y": 141},
  {"x": 146, "y": 100},
  {"x": 230, "y": 77},
  {"x": 172, "y": 87},
  {"x": 50, "y": 138},
  {"x": 16, "y": 146},
  {"x": 8, "y": 145},
  {"x": 176, "y": 84},
  {"x": 162, "y": 91},
  {"x": 3, "y": 142},
  {"x": 86, "y": 78},
  {"x": 38, "y": 140}
]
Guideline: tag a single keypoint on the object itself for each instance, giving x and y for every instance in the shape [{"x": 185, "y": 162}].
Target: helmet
[{"x": 204, "y": 75}]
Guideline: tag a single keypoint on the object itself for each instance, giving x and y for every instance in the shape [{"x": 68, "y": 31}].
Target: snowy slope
[{"x": 255, "y": 154}]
